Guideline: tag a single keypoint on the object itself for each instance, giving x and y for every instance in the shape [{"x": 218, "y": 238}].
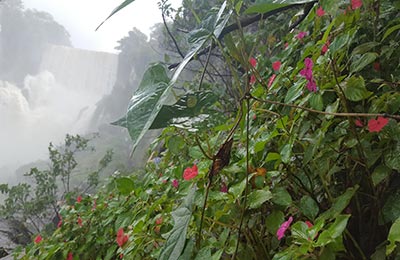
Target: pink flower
[
  {"x": 79, "y": 221},
  {"x": 252, "y": 79},
  {"x": 325, "y": 47},
  {"x": 38, "y": 239},
  {"x": 276, "y": 65},
  {"x": 271, "y": 80},
  {"x": 164, "y": 181},
  {"x": 175, "y": 183},
  {"x": 285, "y": 45},
  {"x": 378, "y": 124},
  {"x": 70, "y": 256},
  {"x": 122, "y": 238},
  {"x": 309, "y": 224},
  {"x": 377, "y": 66},
  {"x": 159, "y": 221},
  {"x": 320, "y": 11},
  {"x": 282, "y": 229},
  {"x": 355, "y": 4},
  {"x": 301, "y": 35},
  {"x": 79, "y": 199},
  {"x": 59, "y": 223},
  {"x": 359, "y": 123},
  {"x": 253, "y": 62},
  {"x": 308, "y": 74},
  {"x": 190, "y": 173},
  {"x": 224, "y": 188}
]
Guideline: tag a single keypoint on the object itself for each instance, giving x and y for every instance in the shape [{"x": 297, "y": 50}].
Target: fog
[
  {"x": 48, "y": 88},
  {"x": 60, "y": 99}
]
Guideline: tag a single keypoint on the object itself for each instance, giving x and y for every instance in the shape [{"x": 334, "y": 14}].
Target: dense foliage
[{"x": 291, "y": 153}]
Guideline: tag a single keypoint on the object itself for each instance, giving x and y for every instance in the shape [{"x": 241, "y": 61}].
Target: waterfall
[{"x": 60, "y": 99}]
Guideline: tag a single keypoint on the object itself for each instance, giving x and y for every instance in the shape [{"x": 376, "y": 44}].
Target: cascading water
[{"x": 60, "y": 99}]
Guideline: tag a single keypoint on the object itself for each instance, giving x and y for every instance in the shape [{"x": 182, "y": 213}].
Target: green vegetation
[{"x": 284, "y": 145}]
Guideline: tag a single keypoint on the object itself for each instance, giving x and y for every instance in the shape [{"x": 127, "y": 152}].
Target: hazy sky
[{"x": 81, "y": 17}]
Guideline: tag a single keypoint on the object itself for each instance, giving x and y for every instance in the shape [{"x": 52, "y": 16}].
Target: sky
[{"x": 81, "y": 17}]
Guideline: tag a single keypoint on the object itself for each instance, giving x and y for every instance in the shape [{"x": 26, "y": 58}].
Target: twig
[
  {"x": 170, "y": 34},
  {"x": 397, "y": 117}
]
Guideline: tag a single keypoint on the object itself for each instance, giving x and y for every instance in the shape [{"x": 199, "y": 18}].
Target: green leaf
[
  {"x": 334, "y": 231},
  {"x": 339, "y": 204},
  {"x": 355, "y": 90},
  {"x": 125, "y": 185},
  {"x": 359, "y": 63},
  {"x": 190, "y": 105},
  {"x": 393, "y": 237},
  {"x": 316, "y": 101},
  {"x": 390, "y": 31},
  {"x": 286, "y": 152},
  {"x": 308, "y": 207},
  {"x": 380, "y": 173},
  {"x": 363, "y": 48},
  {"x": 117, "y": 9},
  {"x": 391, "y": 209},
  {"x": 264, "y": 6},
  {"x": 258, "y": 197},
  {"x": 187, "y": 253},
  {"x": 274, "y": 220},
  {"x": 281, "y": 197},
  {"x": 392, "y": 158},
  {"x": 176, "y": 240},
  {"x": 145, "y": 103},
  {"x": 294, "y": 92},
  {"x": 204, "y": 254}
]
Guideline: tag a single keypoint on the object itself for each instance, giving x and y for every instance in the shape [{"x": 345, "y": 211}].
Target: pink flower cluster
[{"x": 308, "y": 74}]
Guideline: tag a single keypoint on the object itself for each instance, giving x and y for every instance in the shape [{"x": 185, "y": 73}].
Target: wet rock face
[{"x": 12, "y": 234}]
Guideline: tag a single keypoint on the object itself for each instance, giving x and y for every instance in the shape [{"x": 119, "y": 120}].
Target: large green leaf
[
  {"x": 145, "y": 103},
  {"x": 117, "y": 9},
  {"x": 176, "y": 241},
  {"x": 258, "y": 197},
  {"x": 264, "y": 6},
  {"x": 355, "y": 90},
  {"x": 190, "y": 105}
]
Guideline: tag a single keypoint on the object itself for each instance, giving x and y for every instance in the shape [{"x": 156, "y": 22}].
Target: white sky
[{"x": 81, "y": 17}]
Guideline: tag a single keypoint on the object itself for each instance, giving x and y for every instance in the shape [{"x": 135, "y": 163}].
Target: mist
[{"x": 60, "y": 99}]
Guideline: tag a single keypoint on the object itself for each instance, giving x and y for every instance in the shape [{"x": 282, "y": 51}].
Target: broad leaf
[
  {"x": 355, "y": 90},
  {"x": 145, "y": 103},
  {"x": 176, "y": 241},
  {"x": 190, "y": 105},
  {"x": 258, "y": 197},
  {"x": 125, "y": 185},
  {"x": 281, "y": 197}
]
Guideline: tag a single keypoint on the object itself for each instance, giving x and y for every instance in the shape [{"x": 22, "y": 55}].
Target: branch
[
  {"x": 170, "y": 35},
  {"x": 248, "y": 21},
  {"x": 397, "y": 117}
]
